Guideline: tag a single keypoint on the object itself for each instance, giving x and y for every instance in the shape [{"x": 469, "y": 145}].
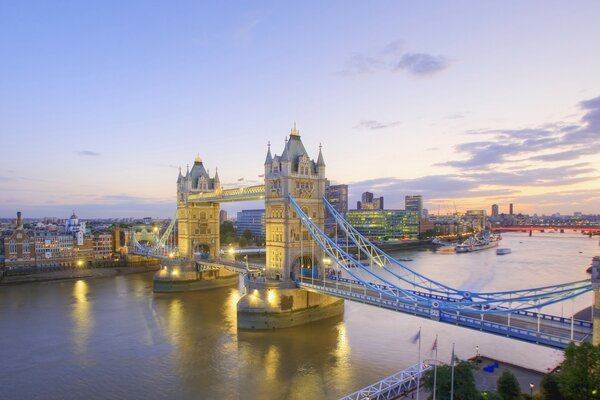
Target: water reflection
[
  {"x": 309, "y": 361},
  {"x": 82, "y": 317}
]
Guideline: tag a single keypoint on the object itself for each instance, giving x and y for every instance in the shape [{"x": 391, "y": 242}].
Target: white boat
[
  {"x": 503, "y": 251},
  {"x": 486, "y": 240}
]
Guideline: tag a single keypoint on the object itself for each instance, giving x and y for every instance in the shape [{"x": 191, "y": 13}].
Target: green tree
[
  {"x": 549, "y": 389},
  {"x": 464, "y": 381},
  {"x": 579, "y": 377},
  {"x": 247, "y": 235},
  {"x": 508, "y": 387},
  {"x": 486, "y": 395}
]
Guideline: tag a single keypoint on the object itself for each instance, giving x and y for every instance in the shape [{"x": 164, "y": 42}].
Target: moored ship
[{"x": 486, "y": 240}]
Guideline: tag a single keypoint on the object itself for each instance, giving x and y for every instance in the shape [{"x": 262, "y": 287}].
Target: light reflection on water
[
  {"x": 114, "y": 338},
  {"x": 83, "y": 319}
]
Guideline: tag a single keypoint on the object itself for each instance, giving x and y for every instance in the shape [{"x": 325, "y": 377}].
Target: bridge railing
[{"x": 393, "y": 386}]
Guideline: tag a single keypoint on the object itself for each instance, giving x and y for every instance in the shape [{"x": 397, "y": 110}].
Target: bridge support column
[
  {"x": 596, "y": 305},
  {"x": 271, "y": 304}
]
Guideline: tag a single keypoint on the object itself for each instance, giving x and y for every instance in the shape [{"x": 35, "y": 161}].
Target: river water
[{"x": 113, "y": 338}]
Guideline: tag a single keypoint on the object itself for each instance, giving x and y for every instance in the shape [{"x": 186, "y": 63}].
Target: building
[
  {"x": 510, "y": 209},
  {"x": 222, "y": 216},
  {"x": 75, "y": 228},
  {"x": 251, "y": 220},
  {"x": 385, "y": 224},
  {"x": 102, "y": 246},
  {"x": 19, "y": 248},
  {"x": 337, "y": 195},
  {"x": 495, "y": 211},
  {"x": 414, "y": 203},
  {"x": 292, "y": 173},
  {"x": 476, "y": 219},
  {"x": 197, "y": 223},
  {"x": 368, "y": 202}
]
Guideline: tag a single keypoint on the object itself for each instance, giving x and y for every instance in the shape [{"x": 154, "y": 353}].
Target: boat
[
  {"x": 503, "y": 251},
  {"x": 485, "y": 240}
]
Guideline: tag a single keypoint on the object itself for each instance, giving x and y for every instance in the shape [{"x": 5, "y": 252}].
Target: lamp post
[
  {"x": 531, "y": 390},
  {"x": 477, "y": 353}
]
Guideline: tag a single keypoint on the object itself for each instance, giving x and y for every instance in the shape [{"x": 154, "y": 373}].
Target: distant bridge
[{"x": 581, "y": 228}]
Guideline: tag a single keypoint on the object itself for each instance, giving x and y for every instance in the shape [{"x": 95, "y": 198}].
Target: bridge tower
[
  {"x": 198, "y": 222},
  {"x": 273, "y": 301}
]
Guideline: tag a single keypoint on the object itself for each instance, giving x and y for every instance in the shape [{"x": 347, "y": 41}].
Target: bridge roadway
[{"x": 543, "y": 329}]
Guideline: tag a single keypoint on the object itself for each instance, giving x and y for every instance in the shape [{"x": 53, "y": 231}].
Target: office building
[
  {"x": 251, "y": 220},
  {"x": 337, "y": 195},
  {"x": 385, "y": 224},
  {"x": 414, "y": 203}
]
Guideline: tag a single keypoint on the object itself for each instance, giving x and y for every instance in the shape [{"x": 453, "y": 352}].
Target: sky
[{"x": 467, "y": 103}]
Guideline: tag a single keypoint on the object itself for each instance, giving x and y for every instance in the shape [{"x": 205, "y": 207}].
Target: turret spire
[
  {"x": 269, "y": 158},
  {"x": 320, "y": 160}
]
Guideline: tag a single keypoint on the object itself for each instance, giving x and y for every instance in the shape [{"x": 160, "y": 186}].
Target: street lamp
[
  {"x": 531, "y": 390},
  {"x": 477, "y": 353}
]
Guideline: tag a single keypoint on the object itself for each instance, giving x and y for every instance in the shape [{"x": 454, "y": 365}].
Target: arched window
[
  {"x": 13, "y": 247},
  {"x": 25, "y": 246}
]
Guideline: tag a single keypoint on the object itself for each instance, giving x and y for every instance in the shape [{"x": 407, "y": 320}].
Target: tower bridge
[{"x": 301, "y": 280}]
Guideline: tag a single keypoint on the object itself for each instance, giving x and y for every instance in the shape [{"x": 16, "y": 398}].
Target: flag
[
  {"x": 454, "y": 358},
  {"x": 434, "y": 347},
  {"x": 261, "y": 176},
  {"x": 241, "y": 179},
  {"x": 417, "y": 337}
]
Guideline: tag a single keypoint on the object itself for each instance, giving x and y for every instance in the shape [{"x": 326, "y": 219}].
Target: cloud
[
  {"x": 374, "y": 125},
  {"x": 88, "y": 153},
  {"x": 422, "y": 63},
  {"x": 391, "y": 59}
]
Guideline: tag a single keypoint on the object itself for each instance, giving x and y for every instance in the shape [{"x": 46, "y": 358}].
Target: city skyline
[{"x": 99, "y": 108}]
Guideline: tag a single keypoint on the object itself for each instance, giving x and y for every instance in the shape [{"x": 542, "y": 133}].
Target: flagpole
[
  {"x": 435, "y": 369},
  {"x": 420, "y": 366},
  {"x": 452, "y": 375}
]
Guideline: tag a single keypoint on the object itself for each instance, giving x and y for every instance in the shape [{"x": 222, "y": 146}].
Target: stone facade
[
  {"x": 288, "y": 243},
  {"x": 198, "y": 222}
]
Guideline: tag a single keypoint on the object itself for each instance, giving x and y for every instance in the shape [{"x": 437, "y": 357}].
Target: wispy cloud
[
  {"x": 392, "y": 59},
  {"x": 422, "y": 63},
  {"x": 88, "y": 153},
  {"x": 374, "y": 125},
  {"x": 502, "y": 165}
]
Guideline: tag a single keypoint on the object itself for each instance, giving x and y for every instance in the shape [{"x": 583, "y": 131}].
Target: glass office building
[{"x": 385, "y": 224}]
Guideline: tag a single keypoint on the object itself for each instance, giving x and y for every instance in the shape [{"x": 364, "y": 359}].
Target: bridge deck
[{"x": 552, "y": 332}]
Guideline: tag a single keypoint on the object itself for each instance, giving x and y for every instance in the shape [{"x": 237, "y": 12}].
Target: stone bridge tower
[
  {"x": 273, "y": 301},
  {"x": 293, "y": 173},
  {"x": 198, "y": 222}
]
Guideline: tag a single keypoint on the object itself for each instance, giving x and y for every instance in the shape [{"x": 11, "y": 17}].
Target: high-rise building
[
  {"x": 414, "y": 203},
  {"x": 368, "y": 202},
  {"x": 222, "y": 216},
  {"x": 251, "y": 220},
  {"x": 495, "y": 211},
  {"x": 510, "y": 209},
  {"x": 337, "y": 195}
]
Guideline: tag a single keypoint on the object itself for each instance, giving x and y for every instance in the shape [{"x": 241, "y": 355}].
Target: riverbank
[{"x": 76, "y": 274}]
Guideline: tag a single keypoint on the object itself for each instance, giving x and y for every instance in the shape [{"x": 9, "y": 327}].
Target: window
[
  {"x": 26, "y": 247},
  {"x": 13, "y": 247}
]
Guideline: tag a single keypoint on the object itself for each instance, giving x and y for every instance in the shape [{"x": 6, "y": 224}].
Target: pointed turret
[
  {"x": 284, "y": 155},
  {"x": 320, "y": 160},
  {"x": 180, "y": 177},
  {"x": 269, "y": 158}
]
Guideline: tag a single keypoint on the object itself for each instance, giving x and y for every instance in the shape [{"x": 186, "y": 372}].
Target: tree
[
  {"x": 508, "y": 387},
  {"x": 464, "y": 381},
  {"x": 549, "y": 389},
  {"x": 579, "y": 377},
  {"x": 486, "y": 395},
  {"x": 247, "y": 235}
]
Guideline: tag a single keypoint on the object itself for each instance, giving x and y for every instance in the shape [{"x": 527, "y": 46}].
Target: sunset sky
[{"x": 468, "y": 103}]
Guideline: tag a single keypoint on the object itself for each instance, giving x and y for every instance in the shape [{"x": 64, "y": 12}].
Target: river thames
[{"x": 113, "y": 338}]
